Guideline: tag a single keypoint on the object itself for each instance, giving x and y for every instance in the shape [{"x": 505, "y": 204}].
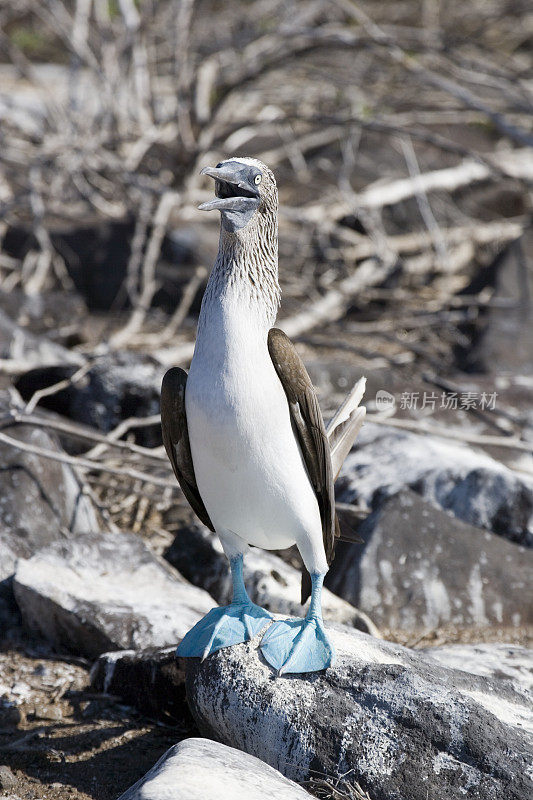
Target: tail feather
[
  {"x": 343, "y": 428},
  {"x": 347, "y": 533},
  {"x": 342, "y": 431}
]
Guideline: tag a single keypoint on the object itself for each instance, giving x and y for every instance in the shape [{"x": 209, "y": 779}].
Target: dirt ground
[{"x": 59, "y": 740}]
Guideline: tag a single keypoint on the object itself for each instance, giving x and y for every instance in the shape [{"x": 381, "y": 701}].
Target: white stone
[
  {"x": 106, "y": 591},
  {"x": 507, "y": 662},
  {"x": 471, "y": 484},
  {"x": 199, "y": 769}
]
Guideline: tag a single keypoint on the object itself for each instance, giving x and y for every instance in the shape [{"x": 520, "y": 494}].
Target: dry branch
[
  {"x": 514, "y": 163},
  {"x": 84, "y": 433},
  {"x": 113, "y": 437},
  {"x": 48, "y": 391},
  {"x": 178, "y": 317},
  {"x": 85, "y": 464},
  {"x": 429, "y": 76},
  {"x": 508, "y": 442},
  {"x": 149, "y": 285},
  {"x": 333, "y": 305}
]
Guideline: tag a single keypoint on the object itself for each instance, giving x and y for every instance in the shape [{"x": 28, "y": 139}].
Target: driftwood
[{"x": 514, "y": 163}]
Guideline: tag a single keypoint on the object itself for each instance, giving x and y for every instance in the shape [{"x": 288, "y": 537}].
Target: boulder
[
  {"x": 151, "y": 680},
  {"x": 28, "y": 350},
  {"x": 503, "y": 333},
  {"x": 46, "y": 314},
  {"x": 7, "y": 779},
  {"x": 198, "y": 769},
  {"x": 97, "y": 252},
  {"x": 10, "y": 619},
  {"x": 272, "y": 583},
  {"x": 421, "y": 568},
  {"x": 473, "y": 486},
  {"x": 388, "y": 718},
  {"x": 41, "y": 501},
  {"x": 116, "y": 387},
  {"x": 96, "y": 592},
  {"x": 506, "y": 662}
]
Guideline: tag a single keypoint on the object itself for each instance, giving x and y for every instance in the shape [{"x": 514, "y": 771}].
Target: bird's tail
[{"x": 344, "y": 426}]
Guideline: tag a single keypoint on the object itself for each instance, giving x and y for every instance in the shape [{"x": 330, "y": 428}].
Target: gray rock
[
  {"x": 117, "y": 387},
  {"x": 384, "y": 716},
  {"x": 151, "y": 680},
  {"x": 10, "y": 619},
  {"x": 44, "y": 314},
  {"x": 473, "y": 486},
  {"x": 41, "y": 501},
  {"x": 198, "y": 769},
  {"x": 98, "y": 592},
  {"x": 504, "y": 335},
  {"x": 29, "y": 350},
  {"x": 7, "y": 779},
  {"x": 505, "y": 662},
  {"x": 272, "y": 583},
  {"x": 421, "y": 568}
]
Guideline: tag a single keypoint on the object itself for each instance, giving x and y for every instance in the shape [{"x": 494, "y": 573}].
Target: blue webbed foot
[
  {"x": 223, "y": 627},
  {"x": 298, "y": 645}
]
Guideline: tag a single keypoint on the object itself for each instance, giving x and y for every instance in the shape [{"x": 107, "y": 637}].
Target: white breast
[{"x": 248, "y": 465}]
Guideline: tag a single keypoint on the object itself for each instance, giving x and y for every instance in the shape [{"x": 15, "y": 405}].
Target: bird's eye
[{"x": 257, "y": 179}]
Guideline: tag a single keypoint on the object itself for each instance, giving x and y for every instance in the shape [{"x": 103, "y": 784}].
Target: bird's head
[{"x": 245, "y": 190}]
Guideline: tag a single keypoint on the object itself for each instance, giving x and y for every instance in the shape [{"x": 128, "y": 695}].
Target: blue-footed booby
[{"x": 245, "y": 434}]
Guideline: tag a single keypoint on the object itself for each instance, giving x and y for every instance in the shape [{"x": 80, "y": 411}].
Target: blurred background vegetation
[{"x": 400, "y": 134}]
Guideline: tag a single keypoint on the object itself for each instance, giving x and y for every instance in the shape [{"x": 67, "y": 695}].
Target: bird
[{"x": 244, "y": 431}]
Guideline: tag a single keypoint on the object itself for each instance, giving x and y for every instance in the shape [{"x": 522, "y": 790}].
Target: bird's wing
[
  {"x": 312, "y": 436},
  {"x": 344, "y": 426},
  {"x": 176, "y": 439}
]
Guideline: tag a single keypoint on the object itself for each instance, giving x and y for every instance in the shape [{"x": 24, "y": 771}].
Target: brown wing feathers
[
  {"x": 176, "y": 439},
  {"x": 312, "y": 436}
]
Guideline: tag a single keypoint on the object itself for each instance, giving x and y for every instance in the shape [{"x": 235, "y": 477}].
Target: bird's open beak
[{"x": 234, "y": 192}]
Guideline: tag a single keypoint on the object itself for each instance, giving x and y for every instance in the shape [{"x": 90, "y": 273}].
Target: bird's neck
[{"x": 244, "y": 280}]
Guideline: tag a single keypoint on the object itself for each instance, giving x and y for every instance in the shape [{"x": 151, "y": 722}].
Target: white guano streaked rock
[
  {"x": 505, "y": 662},
  {"x": 99, "y": 592},
  {"x": 199, "y": 769},
  {"x": 395, "y": 721},
  {"x": 475, "y": 487}
]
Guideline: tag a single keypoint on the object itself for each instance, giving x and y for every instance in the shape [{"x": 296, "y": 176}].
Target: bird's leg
[
  {"x": 240, "y": 595},
  {"x": 300, "y": 645},
  {"x": 227, "y": 625}
]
